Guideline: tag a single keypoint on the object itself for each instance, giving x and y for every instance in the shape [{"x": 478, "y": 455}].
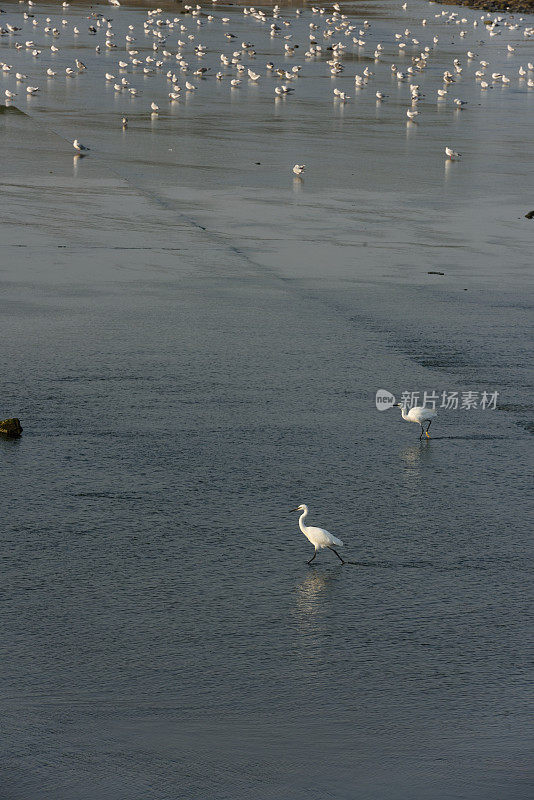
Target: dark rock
[
  {"x": 10, "y": 427},
  {"x": 530, "y": 215}
]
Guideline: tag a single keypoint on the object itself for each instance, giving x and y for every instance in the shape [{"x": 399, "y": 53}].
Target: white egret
[
  {"x": 418, "y": 414},
  {"x": 319, "y": 538}
]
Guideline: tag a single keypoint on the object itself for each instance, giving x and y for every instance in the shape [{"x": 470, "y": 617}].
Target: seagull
[
  {"x": 154, "y": 107},
  {"x": 320, "y": 538},
  {"x": 452, "y": 154},
  {"x": 81, "y": 148},
  {"x": 412, "y": 114},
  {"x": 298, "y": 169},
  {"x": 420, "y": 415}
]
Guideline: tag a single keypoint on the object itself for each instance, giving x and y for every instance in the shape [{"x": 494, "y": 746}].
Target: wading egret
[
  {"x": 317, "y": 536},
  {"x": 420, "y": 415}
]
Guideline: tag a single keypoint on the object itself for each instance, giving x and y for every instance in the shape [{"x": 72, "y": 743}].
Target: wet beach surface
[{"x": 193, "y": 342}]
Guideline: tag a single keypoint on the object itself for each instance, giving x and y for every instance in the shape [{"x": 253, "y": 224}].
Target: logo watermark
[
  {"x": 451, "y": 401},
  {"x": 384, "y": 399}
]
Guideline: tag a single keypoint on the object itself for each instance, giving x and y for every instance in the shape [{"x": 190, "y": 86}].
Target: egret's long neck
[
  {"x": 302, "y": 517},
  {"x": 403, "y": 412}
]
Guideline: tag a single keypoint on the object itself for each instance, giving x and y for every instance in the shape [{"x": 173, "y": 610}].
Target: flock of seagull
[{"x": 162, "y": 45}]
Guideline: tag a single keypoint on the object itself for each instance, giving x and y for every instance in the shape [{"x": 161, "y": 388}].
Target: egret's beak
[{"x": 294, "y": 509}]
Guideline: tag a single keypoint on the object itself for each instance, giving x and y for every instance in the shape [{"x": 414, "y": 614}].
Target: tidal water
[{"x": 193, "y": 342}]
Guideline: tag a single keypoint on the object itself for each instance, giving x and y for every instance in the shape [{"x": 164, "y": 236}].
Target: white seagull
[
  {"x": 81, "y": 148},
  {"x": 298, "y": 169},
  {"x": 452, "y": 154},
  {"x": 319, "y": 538}
]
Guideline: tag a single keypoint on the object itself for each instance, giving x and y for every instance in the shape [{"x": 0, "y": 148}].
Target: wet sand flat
[{"x": 193, "y": 342}]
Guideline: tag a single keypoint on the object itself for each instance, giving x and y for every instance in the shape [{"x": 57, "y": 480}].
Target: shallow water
[{"x": 193, "y": 343}]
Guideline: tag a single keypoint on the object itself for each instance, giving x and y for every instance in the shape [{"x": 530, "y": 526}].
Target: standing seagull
[
  {"x": 79, "y": 146},
  {"x": 451, "y": 154},
  {"x": 420, "y": 415},
  {"x": 298, "y": 169},
  {"x": 317, "y": 536}
]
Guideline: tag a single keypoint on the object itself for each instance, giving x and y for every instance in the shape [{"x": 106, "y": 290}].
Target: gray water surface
[{"x": 193, "y": 343}]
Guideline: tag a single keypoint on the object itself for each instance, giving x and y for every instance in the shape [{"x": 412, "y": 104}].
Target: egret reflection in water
[{"x": 312, "y": 593}]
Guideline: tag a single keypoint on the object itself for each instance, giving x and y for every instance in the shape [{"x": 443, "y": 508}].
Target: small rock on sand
[{"x": 10, "y": 427}]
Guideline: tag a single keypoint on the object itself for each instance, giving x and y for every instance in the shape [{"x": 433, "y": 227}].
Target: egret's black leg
[
  {"x": 427, "y": 427},
  {"x": 337, "y": 554},
  {"x": 311, "y": 559},
  {"x": 422, "y": 431}
]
